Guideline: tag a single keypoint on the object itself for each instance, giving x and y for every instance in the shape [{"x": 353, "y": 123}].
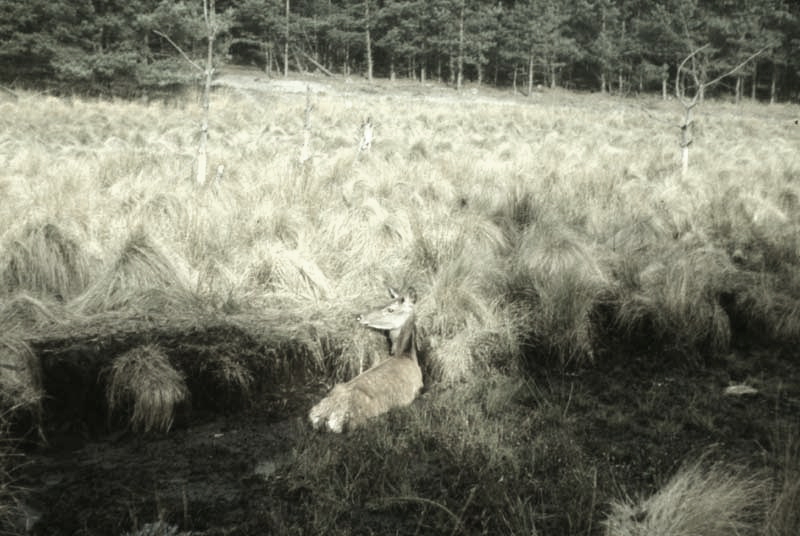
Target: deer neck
[{"x": 404, "y": 340}]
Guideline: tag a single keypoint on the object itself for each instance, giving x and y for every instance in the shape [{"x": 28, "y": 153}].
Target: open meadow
[{"x": 608, "y": 346}]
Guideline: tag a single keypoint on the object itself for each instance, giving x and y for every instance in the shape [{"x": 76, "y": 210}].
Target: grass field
[{"x": 583, "y": 306}]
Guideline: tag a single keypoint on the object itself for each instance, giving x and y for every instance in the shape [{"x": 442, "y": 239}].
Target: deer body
[{"x": 394, "y": 382}]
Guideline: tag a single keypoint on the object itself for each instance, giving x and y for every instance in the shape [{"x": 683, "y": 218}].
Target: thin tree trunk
[
  {"x": 686, "y": 138},
  {"x": 530, "y": 75},
  {"x": 202, "y": 153},
  {"x": 773, "y": 86},
  {"x": 515, "y": 80},
  {"x": 754, "y": 83},
  {"x": 738, "y": 89},
  {"x": 452, "y": 62},
  {"x": 368, "y": 40},
  {"x": 286, "y": 45},
  {"x": 460, "y": 79}
]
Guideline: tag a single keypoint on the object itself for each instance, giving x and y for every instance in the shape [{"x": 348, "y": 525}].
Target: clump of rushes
[
  {"x": 709, "y": 500},
  {"x": 45, "y": 261},
  {"x": 144, "y": 379}
]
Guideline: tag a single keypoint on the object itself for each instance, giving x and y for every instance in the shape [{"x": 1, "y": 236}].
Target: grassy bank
[{"x": 558, "y": 254}]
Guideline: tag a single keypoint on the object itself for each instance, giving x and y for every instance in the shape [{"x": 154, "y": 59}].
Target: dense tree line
[{"x": 620, "y": 46}]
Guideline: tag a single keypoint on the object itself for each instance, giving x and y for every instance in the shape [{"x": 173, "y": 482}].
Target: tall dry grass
[{"x": 501, "y": 212}]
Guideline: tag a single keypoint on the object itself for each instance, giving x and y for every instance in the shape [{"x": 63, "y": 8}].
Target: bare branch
[
  {"x": 737, "y": 68},
  {"x": 179, "y": 49},
  {"x": 9, "y": 92},
  {"x": 694, "y": 75}
]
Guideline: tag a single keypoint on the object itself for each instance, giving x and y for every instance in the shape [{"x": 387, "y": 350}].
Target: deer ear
[{"x": 393, "y": 293}]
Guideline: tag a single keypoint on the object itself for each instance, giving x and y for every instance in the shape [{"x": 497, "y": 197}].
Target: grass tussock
[
  {"x": 557, "y": 277},
  {"x": 143, "y": 382},
  {"x": 699, "y": 499},
  {"x": 44, "y": 260},
  {"x": 141, "y": 266},
  {"x": 290, "y": 272},
  {"x": 783, "y": 515},
  {"x": 20, "y": 378},
  {"x": 24, "y": 313},
  {"x": 676, "y": 296}
]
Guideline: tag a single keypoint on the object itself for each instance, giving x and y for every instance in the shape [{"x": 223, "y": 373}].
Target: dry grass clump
[
  {"x": 698, "y": 500},
  {"x": 20, "y": 377},
  {"x": 144, "y": 379},
  {"x": 451, "y": 359},
  {"x": 360, "y": 349},
  {"x": 44, "y": 260},
  {"x": 289, "y": 272},
  {"x": 558, "y": 275},
  {"x": 783, "y": 516},
  {"x": 28, "y": 313},
  {"x": 226, "y": 369},
  {"x": 141, "y": 266},
  {"x": 676, "y": 296},
  {"x": 770, "y": 305}
]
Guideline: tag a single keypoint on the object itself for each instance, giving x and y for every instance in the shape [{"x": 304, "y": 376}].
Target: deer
[{"x": 392, "y": 383}]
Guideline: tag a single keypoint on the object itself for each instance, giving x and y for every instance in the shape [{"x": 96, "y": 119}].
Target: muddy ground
[
  {"x": 224, "y": 474},
  {"x": 208, "y": 475}
]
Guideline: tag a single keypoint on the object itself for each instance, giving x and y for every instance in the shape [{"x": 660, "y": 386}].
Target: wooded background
[{"x": 117, "y": 47}]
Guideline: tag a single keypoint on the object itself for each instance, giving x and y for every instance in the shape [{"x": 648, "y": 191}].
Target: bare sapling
[
  {"x": 305, "y": 150},
  {"x": 699, "y": 90},
  {"x": 367, "y": 133},
  {"x": 392, "y": 383},
  {"x": 212, "y": 29}
]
